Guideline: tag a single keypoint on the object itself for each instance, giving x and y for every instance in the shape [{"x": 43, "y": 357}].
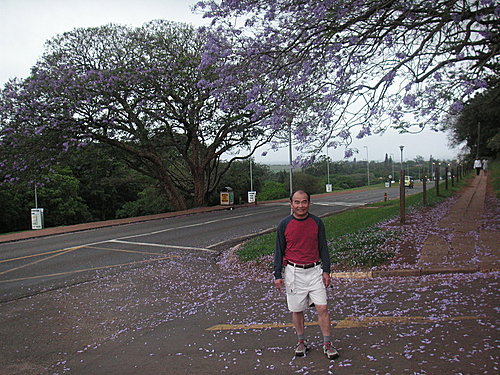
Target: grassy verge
[
  {"x": 495, "y": 177},
  {"x": 360, "y": 221}
]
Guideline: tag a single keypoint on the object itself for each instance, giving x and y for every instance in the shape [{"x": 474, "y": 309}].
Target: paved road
[
  {"x": 32, "y": 266},
  {"x": 189, "y": 316}
]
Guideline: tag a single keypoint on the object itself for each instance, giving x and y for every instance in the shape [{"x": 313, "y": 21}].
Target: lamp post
[
  {"x": 290, "y": 153},
  {"x": 327, "y": 166},
  {"x": 392, "y": 162},
  {"x": 251, "y": 174},
  {"x": 367, "y": 166},
  {"x": 401, "y": 148},
  {"x": 402, "y": 190}
]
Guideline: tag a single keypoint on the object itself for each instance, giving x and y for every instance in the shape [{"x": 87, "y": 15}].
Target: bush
[
  {"x": 150, "y": 202},
  {"x": 272, "y": 190}
]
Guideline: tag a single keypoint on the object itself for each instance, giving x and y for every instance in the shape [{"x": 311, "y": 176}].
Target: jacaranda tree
[
  {"x": 145, "y": 92},
  {"x": 370, "y": 64}
]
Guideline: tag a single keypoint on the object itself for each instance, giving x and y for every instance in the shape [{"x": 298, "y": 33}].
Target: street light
[
  {"x": 367, "y": 165},
  {"x": 401, "y": 148}
]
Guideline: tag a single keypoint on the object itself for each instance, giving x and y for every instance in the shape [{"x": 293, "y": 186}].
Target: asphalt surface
[{"x": 198, "y": 314}]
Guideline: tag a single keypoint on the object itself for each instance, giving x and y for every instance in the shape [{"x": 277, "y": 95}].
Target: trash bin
[{"x": 227, "y": 196}]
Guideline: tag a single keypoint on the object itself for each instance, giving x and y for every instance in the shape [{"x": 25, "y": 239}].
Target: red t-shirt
[{"x": 301, "y": 241}]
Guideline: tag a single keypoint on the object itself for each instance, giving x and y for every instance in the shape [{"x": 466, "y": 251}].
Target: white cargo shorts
[{"x": 303, "y": 287}]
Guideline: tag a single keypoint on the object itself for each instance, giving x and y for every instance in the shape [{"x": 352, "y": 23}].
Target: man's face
[{"x": 300, "y": 205}]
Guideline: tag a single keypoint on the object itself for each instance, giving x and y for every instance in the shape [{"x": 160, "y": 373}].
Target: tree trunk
[
  {"x": 199, "y": 188},
  {"x": 172, "y": 193}
]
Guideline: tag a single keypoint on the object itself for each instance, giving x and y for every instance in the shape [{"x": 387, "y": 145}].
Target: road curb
[{"x": 407, "y": 272}]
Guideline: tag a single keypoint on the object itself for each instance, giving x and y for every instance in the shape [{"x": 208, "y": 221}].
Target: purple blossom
[
  {"x": 365, "y": 131},
  {"x": 344, "y": 134},
  {"x": 410, "y": 100},
  {"x": 389, "y": 77},
  {"x": 458, "y": 106}
]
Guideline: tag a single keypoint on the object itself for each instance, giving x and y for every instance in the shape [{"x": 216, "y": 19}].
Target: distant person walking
[
  {"x": 301, "y": 249},
  {"x": 478, "y": 166},
  {"x": 485, "y": 166}
]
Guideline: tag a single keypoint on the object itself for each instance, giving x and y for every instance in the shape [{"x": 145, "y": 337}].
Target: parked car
[{"x": 409, "y": 182}]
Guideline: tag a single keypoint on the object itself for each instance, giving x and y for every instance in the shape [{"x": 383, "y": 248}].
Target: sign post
[{"x": 37, "y": 218}]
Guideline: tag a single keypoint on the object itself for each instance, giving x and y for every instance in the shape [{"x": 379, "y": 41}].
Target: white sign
[
  {"x": 328, "y": 188},
  {"x": 37, "y": 218},
  {"x": 251, "y": 196}
]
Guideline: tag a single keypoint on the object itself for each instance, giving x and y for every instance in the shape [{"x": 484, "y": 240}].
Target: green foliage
[
  {"x": 150, "y": 202},
  {"x": 272, "y": 190},
  {"x": 495, "y": 177},
  {"x": 362, "y": 248},
  {"x": 479, "y": 114},
  {"x": 16, "y": 204},
  {"x": 106, "y": 182},
  {"x": 61, "y": 201},
  {"x": 306, "y": 182},
  {"x": 238, "y": 178}
]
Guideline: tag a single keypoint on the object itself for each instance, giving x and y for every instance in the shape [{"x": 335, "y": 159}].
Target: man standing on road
[{"x": 302, "y": 250}]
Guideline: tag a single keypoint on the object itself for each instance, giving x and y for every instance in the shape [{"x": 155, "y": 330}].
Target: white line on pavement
[
  {"x": 165, "y": 246},
  {"x": 348, "y": 204},
  {"x": 198, "y": 224}
]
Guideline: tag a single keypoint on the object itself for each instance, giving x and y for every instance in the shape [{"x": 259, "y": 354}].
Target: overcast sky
[{"x": 25, "y": 25}]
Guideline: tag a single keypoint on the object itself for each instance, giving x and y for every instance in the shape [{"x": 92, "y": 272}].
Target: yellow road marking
[
  {"x": 350, "y": 322},
  {"x": 230, "y": 327},
  {"x": 354, "y": 322},
  {"x": 65, "y": 251},
  {"x": 35, "y": 255},
  {"x": 87, "y": 269}
]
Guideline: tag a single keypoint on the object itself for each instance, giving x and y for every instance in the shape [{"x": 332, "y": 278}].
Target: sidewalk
[{"x": 466, "y": 246}]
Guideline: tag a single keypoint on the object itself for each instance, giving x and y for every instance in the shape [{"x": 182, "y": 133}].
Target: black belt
[{"x": 304, "y": 266}]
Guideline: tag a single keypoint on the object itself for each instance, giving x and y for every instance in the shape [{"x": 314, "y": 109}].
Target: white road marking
[
  {"x": 347, "y": 204},
  {"x": 197, "y": 224},
  {"x": 164, "y": 246}
]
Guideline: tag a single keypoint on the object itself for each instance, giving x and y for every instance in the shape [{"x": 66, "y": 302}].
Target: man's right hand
[{"x": 279, "y": 283}]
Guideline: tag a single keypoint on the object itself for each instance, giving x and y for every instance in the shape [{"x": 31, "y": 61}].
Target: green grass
[
  {"x": 354, "y": 220},
  {"x": 494, "y": 169}
]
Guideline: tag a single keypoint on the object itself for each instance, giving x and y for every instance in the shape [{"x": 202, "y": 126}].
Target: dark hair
[{"x": 301, "y": 191}]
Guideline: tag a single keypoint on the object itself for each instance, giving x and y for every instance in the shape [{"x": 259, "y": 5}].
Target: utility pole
[
  {"x": 367, "y": 166},
  {"x": 392, "y": 162},
  {"x": 478, "y": 137},
  {"x": 290, "y": 153},
  {"x": 402, "y": 208},
  {"x": 251, "y": 174}
]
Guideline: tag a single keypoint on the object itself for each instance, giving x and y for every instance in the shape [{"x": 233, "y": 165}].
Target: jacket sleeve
[
  {"x": 323, "y": 247},
  {"x": 279, "y": 249}
]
